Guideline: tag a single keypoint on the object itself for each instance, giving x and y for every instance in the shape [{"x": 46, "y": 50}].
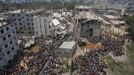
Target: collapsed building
[{"x": 60, "y": 24}]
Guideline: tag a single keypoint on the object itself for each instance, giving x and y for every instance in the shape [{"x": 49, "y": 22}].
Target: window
[
  {"x": 15, "y": 23},
  {"x": 12, "y": 48},
  {"x": 0, "y": 58},
  {"x": 0, "y": 49},
  {"x": 14, "y": 19},
  {"x": 18, "y": 14},
  {"x": 27, "y": 19},
  {"x": 17, "y": 32},
  {"x": 7, "y": 28},
  {"x": 9, "y": 35},
  {"x": 13, "y": 14},
  {"x": 20, "y": 23},
  {"x": 8, "y": 52},
  {"x": 31, "y": 14},
  {"x": 19, "y": 19},
  {"x": 29, "y": 27},
  {"x": 30, "y": 32},
  {"x": 91, "y": 32},
  {"x": 2, "y": 31},
  {"x": 88, "y": 26},
  {"x": 27, "y": 15},
  {"x": 6, "y": 46},
  {"x": 11, "y": 42},
  {"x": 82, "y": 24},
  {"x": 32, "y": 23},
  {"x": 12, "y": 25},
  {"x": 4, "y": 38},
  {"x": 28, "y": 23},
  {"x": 21, "y": 27}
]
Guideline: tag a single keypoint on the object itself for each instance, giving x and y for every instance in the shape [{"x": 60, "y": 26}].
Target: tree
[{"x": 130, "y": 23}]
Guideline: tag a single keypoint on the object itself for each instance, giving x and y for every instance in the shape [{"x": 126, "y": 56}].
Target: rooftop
[
  {"x": 115, "y": 22},
  {"x": 88, "y": 15},
  {"x": 25, "y": 11},
  {"x": 83, "y": 7},
  {"x": 67, "y": 45},
  {"x": 112, "y": 16}
]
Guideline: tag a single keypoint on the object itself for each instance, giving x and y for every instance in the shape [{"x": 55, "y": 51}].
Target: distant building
[
  {"x": 8, "y": 42},
  {"x": 130, "y": 4},
  {"x": 41, "y": 25},
  {"x": 88, "y": 24},
  {"x": 14, "y": 1}
]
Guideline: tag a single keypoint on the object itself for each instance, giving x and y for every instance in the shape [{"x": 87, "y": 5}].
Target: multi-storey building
[
  {"x": 23, "y": 21},
  {"x": 8, "y": 42},
  {"x": 41, "y": 25},
  {"x": 29, "y": 23},
  {"x": 88, "y": 24}
]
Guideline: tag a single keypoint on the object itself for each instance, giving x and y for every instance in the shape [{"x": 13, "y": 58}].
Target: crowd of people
[
  {"x": 114, "y": 44},
  {"x": 44, "y": 60},
  {"x": 33, "y": 62},
  {"x": 91, "y": 64},
  {"x": 50, "y": 67}
]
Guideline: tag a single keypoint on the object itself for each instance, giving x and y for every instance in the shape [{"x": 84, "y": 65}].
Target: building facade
[
  {"x": 87, "y": 23},
  {"x": 41, "y": 26},
  {"x": 23, "y": 21},
  {"x": 8, "y": 42}
]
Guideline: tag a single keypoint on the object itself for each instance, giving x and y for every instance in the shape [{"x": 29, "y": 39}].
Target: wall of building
[
  {"x": 8, "y": 44},
  {"x": 85, "y": 29},
  {"x": 41, "y": 26},
  {"x": 23, "y": 23}
]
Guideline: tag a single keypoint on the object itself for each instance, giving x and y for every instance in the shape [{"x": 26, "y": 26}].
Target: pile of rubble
[{"x": 60, "y": 23}]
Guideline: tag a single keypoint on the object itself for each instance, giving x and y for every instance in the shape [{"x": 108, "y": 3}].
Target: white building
[
  {"x": 14, "y": 1},
  {"x": 67, "y": 48},
  {"x": 41, "y": 25},
  {"x": 8, "y": 43}
]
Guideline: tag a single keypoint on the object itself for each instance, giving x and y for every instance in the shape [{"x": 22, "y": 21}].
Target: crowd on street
[
  {"x": 114, "y": 44},
  {"x": 33, "y": 62},
  {"x": 44, "y": 61},
  {"x": 91, "y": 64}
]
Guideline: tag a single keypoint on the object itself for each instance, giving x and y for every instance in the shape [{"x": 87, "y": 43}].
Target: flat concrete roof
[
  {"x": 112, "y": 16},
  {"x": 115, "y": 22},
  {"x": 88, "y": 15},
  {"x": 67, "y": 45}
]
